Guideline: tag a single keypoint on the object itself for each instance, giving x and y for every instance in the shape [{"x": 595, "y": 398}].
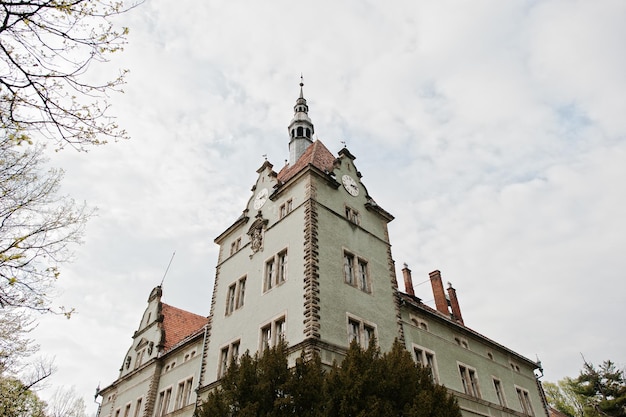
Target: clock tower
[{"x": 308, "y": 261}]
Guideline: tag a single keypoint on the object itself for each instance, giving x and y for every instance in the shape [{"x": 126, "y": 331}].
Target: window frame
[
  {"x": 352, "y": 215},
  {"x": 497, "y": 386},
  {"x": 428, "y": 359},
  {"x": 356, "y": 272},
  {"x": 276, "y": 270},
  {"x": 360, "y": 330},
  {"x": 228, "y": 353},
  {"x": 523, "y": 396},
  {"x": 272, "y": 332},
  {"x": 469, "y": 380},
  {"x": 138, "y": 404}
]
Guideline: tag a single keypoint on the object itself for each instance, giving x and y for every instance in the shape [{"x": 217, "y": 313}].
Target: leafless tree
[
  {"x": 46, "y": 50},
  {"x": 37, "y": 228}
]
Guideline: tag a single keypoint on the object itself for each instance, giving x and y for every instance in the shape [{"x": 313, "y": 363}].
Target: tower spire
[{"x": 300, "y": 128}]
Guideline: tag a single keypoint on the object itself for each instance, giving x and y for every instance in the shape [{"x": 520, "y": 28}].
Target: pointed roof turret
[{"x": 300, "y": 128}]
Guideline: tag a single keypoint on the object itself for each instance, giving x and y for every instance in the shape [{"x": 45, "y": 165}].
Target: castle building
[{"x": 309, "y": 261}]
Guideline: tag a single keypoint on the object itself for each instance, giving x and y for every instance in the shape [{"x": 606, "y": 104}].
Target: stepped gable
[
  {"x": 178, "y": 324},
  {"x": 317, "y": 155}
]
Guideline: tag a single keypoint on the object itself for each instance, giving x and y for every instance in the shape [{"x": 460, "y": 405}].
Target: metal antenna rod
[{"x": 168, "y": 268}]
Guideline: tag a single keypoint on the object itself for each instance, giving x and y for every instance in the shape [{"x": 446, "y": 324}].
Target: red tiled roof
[
  {"x": 317, "y": 155},
  {"x": 178, "y": 324}
]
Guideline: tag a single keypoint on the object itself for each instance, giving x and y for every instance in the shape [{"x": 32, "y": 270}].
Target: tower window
[
  {"x": 230, "y": 299},
  {"x": 241, "y": 292},
  {"x": 273, "y": 333},
  {"x": 356, "y": 272},
  {"x": 360, "y": 331},
  {"x": 235, "y": 296},
  {"x": 228, "y": 354},
  {"x": 286, "y": 208},
  {"x": 234, "y": 247},
  {"x": 275, "y": 271},
  {"x": 308, "y": 132},
  {"x": 300, "y": 131},
  {"x": 352, "y": 215}
]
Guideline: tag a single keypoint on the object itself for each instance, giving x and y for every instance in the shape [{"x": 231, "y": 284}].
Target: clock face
[
  {"x": 350, "y": 185},
  {"x": 260, "y": 199}
]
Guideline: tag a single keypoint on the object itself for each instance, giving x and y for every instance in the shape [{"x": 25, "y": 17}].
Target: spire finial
[{"x": 301, "y": 85}]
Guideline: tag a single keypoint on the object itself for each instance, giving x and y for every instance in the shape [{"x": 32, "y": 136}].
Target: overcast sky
[{"x": 494, "y": 131}]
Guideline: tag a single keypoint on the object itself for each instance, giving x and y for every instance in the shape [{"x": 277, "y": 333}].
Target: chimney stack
[
  {"x": 454, "y": 303},
  {"x": 441, "y": 302},
  {"x": 408, "y": 281}
]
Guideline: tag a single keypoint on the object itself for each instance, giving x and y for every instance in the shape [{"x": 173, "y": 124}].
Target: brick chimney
[
  {"x": 441, "y": 302},
  {"x": 454, "y": 304},
  {"x": 408, "y": 281}
]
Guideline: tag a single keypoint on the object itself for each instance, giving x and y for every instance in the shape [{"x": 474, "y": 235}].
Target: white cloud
[{"x": 493, "y": 133}]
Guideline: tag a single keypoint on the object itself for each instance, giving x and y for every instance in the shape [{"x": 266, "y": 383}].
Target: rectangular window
[
  {"x": 187, "y": 393},
  {"x": 269, "y": 275},
  {"x": 159, "y": 408},
  {"x": 138, "y": 407},
  {"x": 352, "y": 215},
  {"x": 282, "y": 267},
  {"x": 426, "y": 358},
  {"x": 266, "y": 337},
  {"x": 241, "y": 291},
  {"x": 180, "y": 392},
  {"x": 524, "y": 400},
  {"x": 360, "y": 331},
  {"x": 234, "y": 247},
  {"x": 230, "y": 299},
  {"x": 127, "y": 410},
  {"x": 470, "y": 383},
  {"x": 356, "y": 272},
  {"x": 273, "y": 333},
  {"x": 286, "y": 208},
  {"x": 354, "y": 331},
  {"x": 497, "y": 385},
  {"x": 166, "y": 401},
  {"x": 275, "y": 271},
  {"x": 348, "y": 268},
  {"x": 363, "y": 279},
  {"x": 228, "y": 354},
  {"x": 183, "y": 394}
]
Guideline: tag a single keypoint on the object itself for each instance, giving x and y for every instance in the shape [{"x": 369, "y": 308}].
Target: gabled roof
[
  {"x": 316, "y": 154},
  {"x": 179, "y": 324}
]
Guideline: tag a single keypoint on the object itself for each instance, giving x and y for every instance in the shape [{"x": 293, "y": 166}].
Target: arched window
[
  {"x": 293, "y": 133},
  {"x": 308, "y": 132},
  {"x": 300, "y": 131}
]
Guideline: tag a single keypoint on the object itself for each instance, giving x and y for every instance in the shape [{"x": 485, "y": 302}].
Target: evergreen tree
[
  {"x": 603, "y": 389},
  {"x": 367, "y": 384}
]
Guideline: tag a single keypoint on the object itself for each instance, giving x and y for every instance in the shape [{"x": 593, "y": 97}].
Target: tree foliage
[
  {"x": 562, "y": 397},
  {"x": 367, "y": 384},
  {"x": 603, "y": 389},
  {"x": 17, "y": 400},
  {"x": 596, "y": 392},
  {"x": 46, "y": 50},
  {"x": 37, "y": 227}
]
